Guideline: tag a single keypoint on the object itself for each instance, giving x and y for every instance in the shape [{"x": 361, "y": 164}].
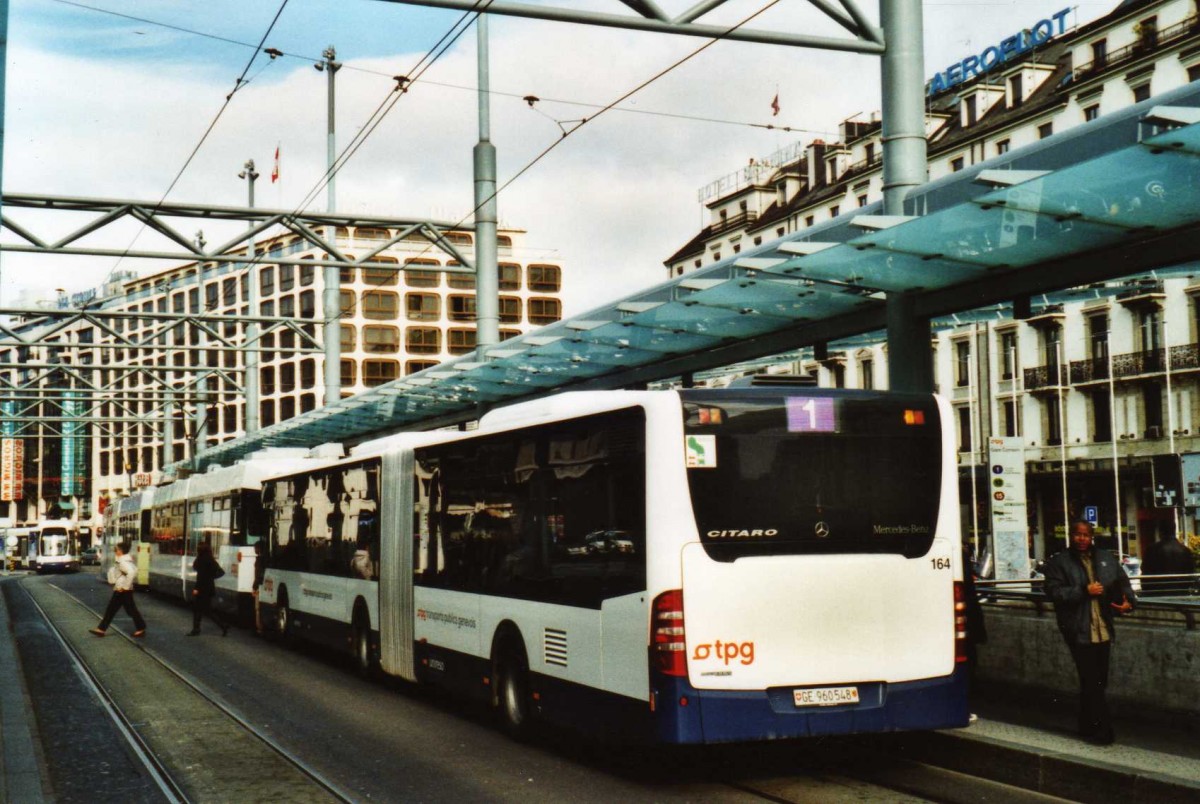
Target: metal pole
[
  {"x": 250, "y": 344},
  {"x": 1112, "y": 433},
  {"x": 1175, "y": 510},
  {"x": 1062, "y": 441},
  {"x": 487, "y": 281},
  {"x": 331, "y": 331},
  {"x": 3, "y": 86},
  {"x": 904, "y": 167}
]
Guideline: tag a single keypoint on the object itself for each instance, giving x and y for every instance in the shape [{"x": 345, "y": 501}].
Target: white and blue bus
[
  {"x": 130, "y": 522},
  {"x": 689, "y": 566}
]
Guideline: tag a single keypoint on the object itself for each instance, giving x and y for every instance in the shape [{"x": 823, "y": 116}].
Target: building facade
[
  {"x": 1096, "y": 382},
  {"x": 393, "y": 322}
]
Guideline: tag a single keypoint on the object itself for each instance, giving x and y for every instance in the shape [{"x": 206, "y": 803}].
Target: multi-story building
[
  {"x": 1046, "y": 378},
  {"x": 393, "y": 322}
]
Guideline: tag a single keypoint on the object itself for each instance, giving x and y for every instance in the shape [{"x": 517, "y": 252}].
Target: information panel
[{"x": 1010, "y": 525}]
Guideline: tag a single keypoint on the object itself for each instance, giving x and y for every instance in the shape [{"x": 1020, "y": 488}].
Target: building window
[
  {"x": 866, "y": 369},
  {"x": 1008, "y": 355},
  {"x": 809, "y": 220},
  {"x": 381, "y": 340},
  {"x": 460, "y": 341},
  {"x": 1009, "y": 410},
  {"x": 1152, "y": 404},
  {"x": 377, "y": 372},
  {"x": 1053, "y": 430},
  {"x": 1045, "y": 130},
  {"x": 1141, "y": 93},
  {"x": 862, "y": 200},
  {"x": 419, "y": 277},
  {"x": 1002, "y": 147},
  {"x": 1150, "y": 330},
  {"x": 266, "y": 280},
  {"x": 1101, "y": 417},
  {"x": 421, "y": 306},
  {"x": 1193, "y": 72},
  {"x": 510, "y": 276},
  {"x": 969, "y": 110},
  {"x": 460, "y": 281},
  {"x": 1147, "y": 32},
  {"x": 380, "y": 305},
  {"x": 964, "y": 428},
  {"x": 544, "y": 311},
  {"x": 346, "y": 302},
  {"x": 1091, "y": 112},
  {"x": 381, "y": 277},
  {"x": 835, "y": 210},
  {"x": 413, "y": 366},
  {"x": 510, "y": 310},
  {"x": 1016, "y": 90},
  {"x": 287, "y": 277},
  {"x": 1099, "y": 54},
  {"x": 461, "y": 308},
  {"x": 1098, "y": 344},
  {"x": 957, "y": 164},
  {"x": 423, "y": 340},
  {"x": 962, "y": 363},
  {"x": 348, "y": 372},
  {"x": 1051, "y": 351}
]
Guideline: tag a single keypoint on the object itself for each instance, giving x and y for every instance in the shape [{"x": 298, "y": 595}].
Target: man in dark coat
[{"x": 1087, "y": 586}]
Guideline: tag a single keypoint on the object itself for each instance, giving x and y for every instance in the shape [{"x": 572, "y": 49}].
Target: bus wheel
[
  {"x": 283, "y": 616},
  {"x": 364, "y": 662},
  {"x": 512, "y": 693}
]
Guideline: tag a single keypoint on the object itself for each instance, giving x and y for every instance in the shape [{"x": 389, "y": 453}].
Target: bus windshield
[{"x": 803, "y": 471}]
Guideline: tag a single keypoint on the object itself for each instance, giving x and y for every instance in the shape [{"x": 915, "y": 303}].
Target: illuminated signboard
[
  {"x": 1005, "y": 51},
  {"x": 12, "y": 469}
]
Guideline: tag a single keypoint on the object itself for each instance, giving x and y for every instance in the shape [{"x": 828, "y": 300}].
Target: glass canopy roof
[{"x": 1006, "y": 221}]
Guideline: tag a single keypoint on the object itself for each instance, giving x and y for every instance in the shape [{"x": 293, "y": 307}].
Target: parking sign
[{"x": 1091, "y": 513}]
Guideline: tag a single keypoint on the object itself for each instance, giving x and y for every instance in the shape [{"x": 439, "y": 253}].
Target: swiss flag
[{"x": 275, "y": 170}]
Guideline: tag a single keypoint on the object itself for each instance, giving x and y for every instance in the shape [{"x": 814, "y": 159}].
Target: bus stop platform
[{"x": 1028, "y": 740}]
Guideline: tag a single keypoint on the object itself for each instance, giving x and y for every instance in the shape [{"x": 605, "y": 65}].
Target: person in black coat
[
  {"x": 1088, "y": 586},
  {"x": 207, "y": 571}
]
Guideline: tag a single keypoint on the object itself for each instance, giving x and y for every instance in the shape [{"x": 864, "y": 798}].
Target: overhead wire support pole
[
  {"x": 487, "y": 282},
  {"x": 250, "y": 355},
  {"x": 331, "y": 330},
  {"x": 910, "y": 352}
]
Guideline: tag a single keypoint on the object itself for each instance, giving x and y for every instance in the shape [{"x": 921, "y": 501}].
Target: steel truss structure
[{"x": 846, "y": 13}]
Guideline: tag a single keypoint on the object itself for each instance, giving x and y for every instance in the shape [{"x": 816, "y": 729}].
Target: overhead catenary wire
[{"x": 474, "y": 90}]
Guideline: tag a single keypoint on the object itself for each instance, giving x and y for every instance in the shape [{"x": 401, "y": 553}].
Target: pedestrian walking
[
  {"x": 1088, "y": 586},
  {"x": 123, "y": 574},
  {"x": 207, "y": 571}
]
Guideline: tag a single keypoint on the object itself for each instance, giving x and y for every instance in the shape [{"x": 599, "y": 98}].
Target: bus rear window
[{"x": 811, "y": 471}]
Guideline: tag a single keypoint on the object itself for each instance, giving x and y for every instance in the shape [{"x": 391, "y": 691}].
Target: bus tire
[
  {"x": 512, "y": 691},
  {"x": 360, "y": 644},
  {"x": 283, "y": 616}
]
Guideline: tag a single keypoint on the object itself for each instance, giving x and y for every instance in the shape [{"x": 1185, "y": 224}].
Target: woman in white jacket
[{"x": 126, "y": 573}]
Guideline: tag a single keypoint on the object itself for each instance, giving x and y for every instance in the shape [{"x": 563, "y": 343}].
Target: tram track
[{"x": 179, "y": 781}]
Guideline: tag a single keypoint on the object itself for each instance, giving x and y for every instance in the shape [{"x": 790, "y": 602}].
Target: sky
[{"x": 110, "y": 99}]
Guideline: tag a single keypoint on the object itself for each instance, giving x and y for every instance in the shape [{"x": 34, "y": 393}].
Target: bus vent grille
[{"x": 554, "y": 647}]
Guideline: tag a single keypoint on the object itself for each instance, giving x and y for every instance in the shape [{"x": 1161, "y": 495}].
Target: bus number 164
[{"x": 940, "y": 563}]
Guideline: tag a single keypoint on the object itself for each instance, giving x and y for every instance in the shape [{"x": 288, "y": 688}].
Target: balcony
[
  {"x": 1149, "y": 41},
  {"x": 733, "y": 222},
  {"x": 1043, "y": 377},
  {"x": 1134, "y": 364}
]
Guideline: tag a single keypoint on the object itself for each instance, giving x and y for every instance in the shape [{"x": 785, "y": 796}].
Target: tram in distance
[
  {"x": 57, "y": 543},
  {"x": 687, "y": 566}
]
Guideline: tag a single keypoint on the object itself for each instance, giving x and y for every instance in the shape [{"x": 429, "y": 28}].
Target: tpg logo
[{"x": 725, "y": 651}]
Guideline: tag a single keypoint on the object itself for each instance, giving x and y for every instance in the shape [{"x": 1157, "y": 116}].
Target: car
[{"x": 90, "y": 556}]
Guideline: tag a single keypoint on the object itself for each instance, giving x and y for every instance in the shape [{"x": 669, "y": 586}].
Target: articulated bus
[
  {"x": 130, "y": 523},
  {"x": 224, "y": 508},
  {"x": 57, "y": 545},
  {"x": 690, "y": 566}
]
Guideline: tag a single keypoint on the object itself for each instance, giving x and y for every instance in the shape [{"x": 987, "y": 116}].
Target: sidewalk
[
  {"x": 1032, "y": 744},
  {"x": 20, "y": 767}
]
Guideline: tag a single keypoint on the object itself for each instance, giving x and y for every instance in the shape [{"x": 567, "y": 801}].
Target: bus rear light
[
  {"x": 667, "y": 639},
  {"x": 960, "y": 622},
  {"x": 914, "y": 416}
]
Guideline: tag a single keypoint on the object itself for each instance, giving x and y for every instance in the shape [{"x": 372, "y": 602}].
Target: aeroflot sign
[{"x": 1006, "y": 50}]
